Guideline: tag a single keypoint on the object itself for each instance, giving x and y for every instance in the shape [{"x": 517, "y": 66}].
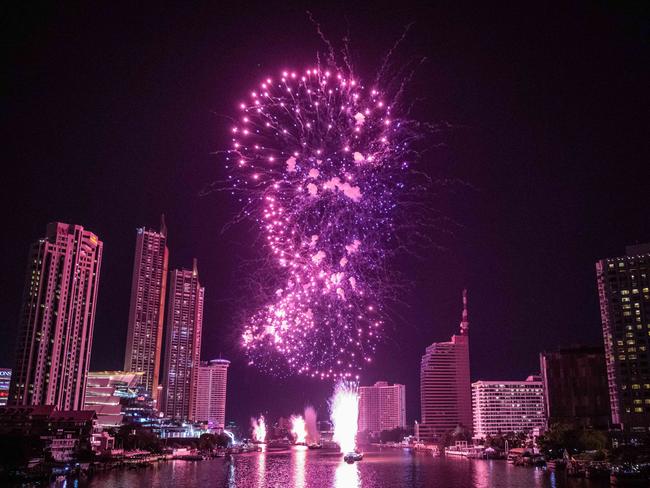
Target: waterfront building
[
  {"x": 106, "y": 393},
  {"x": 210, "y": 393},
  {"x": 62, "y": 433},
  {"x": 382, "y": 407},
  {"x": 500, "y": 407},
  {"x": 57, "y": 318},
  {"x": 445, "y": 389},
  {"x": 183, "y": 342},
  {"x": 575, "y": 386},
  {"x": 146, "y": 309},
  {"x": 5, "y": 380},
  {"x": 624, "y": 292}
]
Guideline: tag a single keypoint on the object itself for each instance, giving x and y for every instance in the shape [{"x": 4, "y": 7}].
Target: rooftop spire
[
  {"x": 163, "y": 225},
  {"x": 464, "y": 323}
]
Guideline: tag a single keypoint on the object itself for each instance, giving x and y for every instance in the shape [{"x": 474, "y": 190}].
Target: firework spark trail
[
  {"x": 320, "y": 161},
  {"x": 344, "y": 413},
  {"x": 259, "y": 429},
  {"x": 298, "y": 429}
]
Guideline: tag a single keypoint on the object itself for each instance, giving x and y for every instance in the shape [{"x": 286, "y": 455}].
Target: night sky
[{"x": 110, "y": 115}]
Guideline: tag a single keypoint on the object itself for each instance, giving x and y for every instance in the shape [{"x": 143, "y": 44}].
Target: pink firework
[{"x": 319, "y": 160}]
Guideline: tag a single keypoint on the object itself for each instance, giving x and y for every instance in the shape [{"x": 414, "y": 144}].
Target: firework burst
[{"x": 320, "y": 161}]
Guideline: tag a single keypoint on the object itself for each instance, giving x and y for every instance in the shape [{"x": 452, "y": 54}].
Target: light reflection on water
[
  {"x": 303, "y": 468},
  {"x": 347, "y": 475},
  {"x": 299, "y": 459}
]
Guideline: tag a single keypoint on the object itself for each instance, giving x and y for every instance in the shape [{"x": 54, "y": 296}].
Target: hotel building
[
  {"x": 210, "y": 393},
  {"x": 445, "y": 389},
  {"x": 382, "y": 407},
  {"x": 500, "y": 407},
  {"x": 624, "y": 292},
  {"x": 56, "y": 323}
]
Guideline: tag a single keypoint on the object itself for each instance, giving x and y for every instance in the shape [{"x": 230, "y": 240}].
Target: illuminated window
[
  {"x": 636, "y": 386},
  {"x": 638, "y": 409}
]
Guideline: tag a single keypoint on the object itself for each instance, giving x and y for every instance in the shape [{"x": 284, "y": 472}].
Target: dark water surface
[{"x": 302, "y": 468}]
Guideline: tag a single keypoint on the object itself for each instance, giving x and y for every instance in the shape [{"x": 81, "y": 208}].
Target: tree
[
  {"x": 393, "y": 435},
  {"x": 574, "y": 439},
  {"x": 134, "y": 436},
  {"x": 207, "y": 442},
  {"x": 223, "y": 440}
]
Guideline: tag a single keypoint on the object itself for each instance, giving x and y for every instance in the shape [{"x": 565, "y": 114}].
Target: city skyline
[{"x": 535, "y": 174}]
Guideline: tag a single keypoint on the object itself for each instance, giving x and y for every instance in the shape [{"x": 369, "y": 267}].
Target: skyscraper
[
  {"x": 57, "y": 319},
  {"x": 508, "y": 406},
  {"x": 624, "y": 292},
  {"x": 575, "y": 386},
  {"x": 183, "y": 342},
  {"x": 209, "y": 403},
  {"x": 445, "y": 389},
  {"x": 148, "y": 286},
  {"x": 382, "y": 407}
]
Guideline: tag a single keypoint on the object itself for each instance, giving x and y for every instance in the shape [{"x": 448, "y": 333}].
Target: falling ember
[
  {"x": 298, "y": 429},
  {"x": 344, "y": 414},
  {"x": 259, "y": 429}
]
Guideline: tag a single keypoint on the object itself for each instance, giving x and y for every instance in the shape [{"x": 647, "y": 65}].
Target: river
[{"x": 302, "y": 468}]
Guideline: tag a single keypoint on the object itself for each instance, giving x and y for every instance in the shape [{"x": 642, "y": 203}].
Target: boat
[
  {"x": 315, "y": 446},
  {"x": 278, "y": 445},
  {"x": 330, "y": 446},
  {"x": 555, "y": 464},
  {"x": 351, "y": 457}
]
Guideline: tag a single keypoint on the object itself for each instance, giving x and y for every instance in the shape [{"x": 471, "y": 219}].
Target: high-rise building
[
  {"x": 624, "y": 291},
  {"x": 183, "y": 342},
  {"x": 57, "y": 319},
  {"x": 500, "y": 407},
  {"x": 382, "y": 407},
  {"x": 106, "y": 392},
  {"x": 575, "y": 386},
  {"x": 5, "y": 380},
  {"x": 148, "y": 286},
  {"x": 445, "y": 389},
  {"x": 210, "y": 393}
]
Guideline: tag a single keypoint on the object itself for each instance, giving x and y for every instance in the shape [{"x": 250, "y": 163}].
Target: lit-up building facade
[
  {"x": 445, "y": 388},
  {"x": 5, "y": 380},
  {"x": 382, "y": 407},
  {"x": 148, "y": 287},
  {"x": 624, "y": 292},
  {"x": 500, "y": 407},
  {"x": 107, "y": 393},
  {"x": 209, "y": 396},
  {"x": 56, "y": 323},
  {"x": 183, "y": 342}
]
